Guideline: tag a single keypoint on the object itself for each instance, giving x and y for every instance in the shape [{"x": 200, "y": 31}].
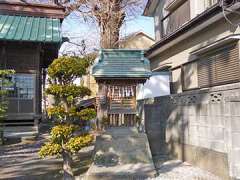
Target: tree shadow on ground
[{"x": 21, "y": 161}]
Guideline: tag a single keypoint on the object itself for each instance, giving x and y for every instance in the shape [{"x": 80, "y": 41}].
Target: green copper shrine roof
[
  {"x": 121, "y": 63},
  {"x": 32, "y": 29}
]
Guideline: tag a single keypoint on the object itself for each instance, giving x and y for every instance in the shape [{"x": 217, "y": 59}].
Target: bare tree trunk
[
  {"x": 67, "y": 166},
  {"x": 110, "y": 38},
  {"x": 110, "y": 25}
]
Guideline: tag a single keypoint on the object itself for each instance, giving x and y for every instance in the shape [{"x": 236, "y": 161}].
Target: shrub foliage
[
  {"x": 66, "y": 137},
  {"x": 62, "y": 138},
  {"x": 4, "y": 83}
]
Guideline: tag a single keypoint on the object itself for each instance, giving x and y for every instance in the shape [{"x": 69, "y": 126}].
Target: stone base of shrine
[{"x": 121, "y": 153}]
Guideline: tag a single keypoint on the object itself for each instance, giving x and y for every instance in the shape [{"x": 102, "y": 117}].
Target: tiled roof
[
  {"x": 122, "y": 63},
  {"x": 32, "y": 29}
]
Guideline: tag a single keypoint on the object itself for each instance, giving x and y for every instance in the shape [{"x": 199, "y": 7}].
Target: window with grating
[
  {"x": 176, "y": 18},
  {"x": 219, "y": 67}
]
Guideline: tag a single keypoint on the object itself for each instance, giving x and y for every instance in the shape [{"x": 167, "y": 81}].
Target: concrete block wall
[
  {"x": 201, "y": 126},
  {"x": 233, "y": 124}
]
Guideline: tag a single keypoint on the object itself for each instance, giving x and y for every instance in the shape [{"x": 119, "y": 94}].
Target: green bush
[
  {"x": 87, "y": 114},
  {"x": 4, "y": 82},
  {"x": 77, "y": 143},
  {"x": 65, "y": 139},
  {"x": 62, "y": 133},
  {"x": 62, "y": 138},
  {"x": 50, "y": 149}
]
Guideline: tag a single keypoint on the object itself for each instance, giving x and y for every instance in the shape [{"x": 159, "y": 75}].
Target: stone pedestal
[{"x": 121, "y": 153}]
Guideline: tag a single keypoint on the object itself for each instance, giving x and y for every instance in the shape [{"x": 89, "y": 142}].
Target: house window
[
  {"x": 176, "y": 17},
  {"x": 22, "y": 86},
  {"x": 219, "y": 67}
]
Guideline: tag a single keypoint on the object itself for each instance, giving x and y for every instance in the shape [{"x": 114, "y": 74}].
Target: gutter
[{"x": 190, "y": 25}]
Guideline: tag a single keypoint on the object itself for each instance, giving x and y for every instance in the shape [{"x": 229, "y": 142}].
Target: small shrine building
[{"x": 118, "y": 72}]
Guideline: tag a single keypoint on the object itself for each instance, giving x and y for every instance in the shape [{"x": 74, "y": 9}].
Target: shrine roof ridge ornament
[{"x": 121, "y": 64}]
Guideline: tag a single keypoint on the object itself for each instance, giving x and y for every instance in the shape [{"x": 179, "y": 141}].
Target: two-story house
[{"x": 197, "y": 41}]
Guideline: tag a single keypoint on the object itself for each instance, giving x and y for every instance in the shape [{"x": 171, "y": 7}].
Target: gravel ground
[{"x": 176, "y": 170}]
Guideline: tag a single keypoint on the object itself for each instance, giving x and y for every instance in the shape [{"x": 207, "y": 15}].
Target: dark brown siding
[
  {"x": 22, "y": 60},
  {"x": 220, "y": 67}
]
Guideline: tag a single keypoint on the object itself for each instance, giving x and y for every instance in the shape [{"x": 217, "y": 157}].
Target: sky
[
  {"x": 141, "y": 23},
  {"x": 76, "y": 29}
]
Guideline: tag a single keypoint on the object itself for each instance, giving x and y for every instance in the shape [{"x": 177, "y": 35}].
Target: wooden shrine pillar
[{"x": 102, "y": 104}]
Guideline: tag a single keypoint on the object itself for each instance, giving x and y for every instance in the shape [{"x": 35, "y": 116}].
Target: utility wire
[{"x": 224, "y": 5}]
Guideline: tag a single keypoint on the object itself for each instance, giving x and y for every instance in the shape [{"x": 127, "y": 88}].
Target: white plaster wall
[
  {"x": 196, "y": 7},
  {"x": 157, "y": 85},
  {"x": 159, "y": 13},
  {"x": 140, "y": 41}
]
